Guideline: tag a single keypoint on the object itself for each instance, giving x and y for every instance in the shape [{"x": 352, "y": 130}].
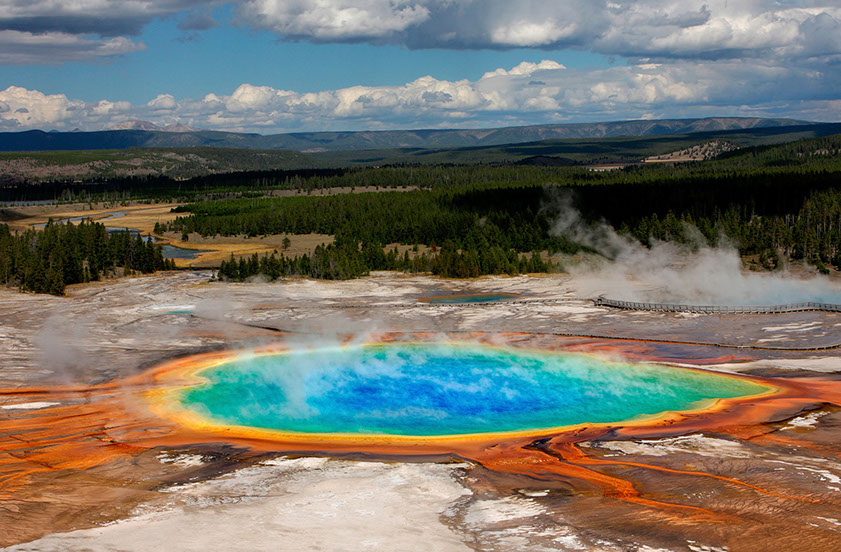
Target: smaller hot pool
[{"x": 471, "y": 298}]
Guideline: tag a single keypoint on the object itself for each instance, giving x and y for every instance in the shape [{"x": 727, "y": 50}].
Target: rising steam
[
  {"x": 60, "y": 346},
  {"x": 694, "y": 273}
]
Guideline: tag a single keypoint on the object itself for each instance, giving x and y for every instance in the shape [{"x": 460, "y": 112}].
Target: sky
[{"x": 272, "y": 66}]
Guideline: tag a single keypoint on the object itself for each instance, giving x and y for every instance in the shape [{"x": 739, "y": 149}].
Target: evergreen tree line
[
  {"x": 813, "y": 233},
  {"x": 759, "y": 212},
  {"x": 263, "y": 183},
  {"x": 769, "y": 215},
  {"x": 47, "y": 261},
  {"x": 416, "y": 217},
  {"x": 346, "y": 260}
]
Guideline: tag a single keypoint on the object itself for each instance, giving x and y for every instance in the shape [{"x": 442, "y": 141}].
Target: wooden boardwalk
[{"x": 717, "y": 309}]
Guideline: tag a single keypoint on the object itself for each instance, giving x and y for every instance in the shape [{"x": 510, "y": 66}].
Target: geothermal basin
[
  {"x": 169, "y": 412},
  {"x": 427, "y": 390}
]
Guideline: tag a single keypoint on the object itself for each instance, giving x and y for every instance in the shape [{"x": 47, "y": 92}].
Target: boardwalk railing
[{"x": 715, "y": 309}]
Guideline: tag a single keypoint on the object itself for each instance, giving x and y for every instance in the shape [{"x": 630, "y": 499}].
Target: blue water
[
  {"x": 116, "y": 214},
  {"x": 444, "y": 390},
  {"x": 172, "y": 252},
  {"x": 74, "y": 220},
  {"x": 477, "y": 298},
  {"x": 168, "y": 251}
]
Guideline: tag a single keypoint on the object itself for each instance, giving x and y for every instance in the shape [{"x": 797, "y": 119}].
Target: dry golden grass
[
  {"x": 222, "y": 247},
  {"x": 143, "y": 217},
  {"x": 140, "y": 216}
]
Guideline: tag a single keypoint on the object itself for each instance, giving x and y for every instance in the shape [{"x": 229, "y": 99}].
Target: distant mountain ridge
[
  {"x": 135, "y": 124},
  {"x": 182, "y": 136}
]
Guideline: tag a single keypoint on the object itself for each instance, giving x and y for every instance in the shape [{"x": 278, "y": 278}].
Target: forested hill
[
  {"x": 178, "y": 163},
  {"x": 626, "y": 149},
  {"x": 37, "y": 140},
  {"x": 793, "y": 159}
]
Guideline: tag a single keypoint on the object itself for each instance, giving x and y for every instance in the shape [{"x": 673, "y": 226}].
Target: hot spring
[
  {"x": 434, "y": 390},
  {"x": 471, "y": 298}
]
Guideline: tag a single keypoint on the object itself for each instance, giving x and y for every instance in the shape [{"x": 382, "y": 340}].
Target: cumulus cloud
[
  {"x": 163, "y": 102},
  {"x": 335, "y": 20},
  {"x": 31, "y": 108},
  {"x": 646, "y": 28},
  {"x": 20, "y": 48},
  {"x": 525, "y": 68},
  {"x": 28, "y": 109},
  {"x": 667, "y": 29},
  {"x": 529, "y": 93},
  {"x": 103, "y": 17},
  {"x": 51, "y": 31}
]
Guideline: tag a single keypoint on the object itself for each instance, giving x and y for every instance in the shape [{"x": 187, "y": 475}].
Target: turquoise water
[
  {"x": 444, "y": 390},
  {"x": 478, "y": 298}
]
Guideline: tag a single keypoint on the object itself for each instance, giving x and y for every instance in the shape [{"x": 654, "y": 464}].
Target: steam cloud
[
  {"x": 668, "y": 272},
  {"x": 59, "y": 343}
]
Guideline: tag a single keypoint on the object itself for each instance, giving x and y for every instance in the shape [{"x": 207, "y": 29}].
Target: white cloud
[
  {"x": 791, "y": 32},
  {"x": 56, "y": 31},
  {"x": 33, "y": 109},
  {"x": 334, "y": 20},
  {"x": 104, "y": 108},
  {"x": 251, "y": 98},
  {"x": 529, "y": 93},
  {"x": 525, "y": 68},
  {"x": 722, "y": 29},
  {"x": 692, "y": 29},
  {"x": 30, "y": 109},
  {"x": 103, "y": 17},
  {"x": 526, "y": 33},
  {"x": 644, "y": 28},
  {"x": 162, "y": 102},
  {"x": 19, "y": 48},
  {"x": 685, "y": 56}
]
